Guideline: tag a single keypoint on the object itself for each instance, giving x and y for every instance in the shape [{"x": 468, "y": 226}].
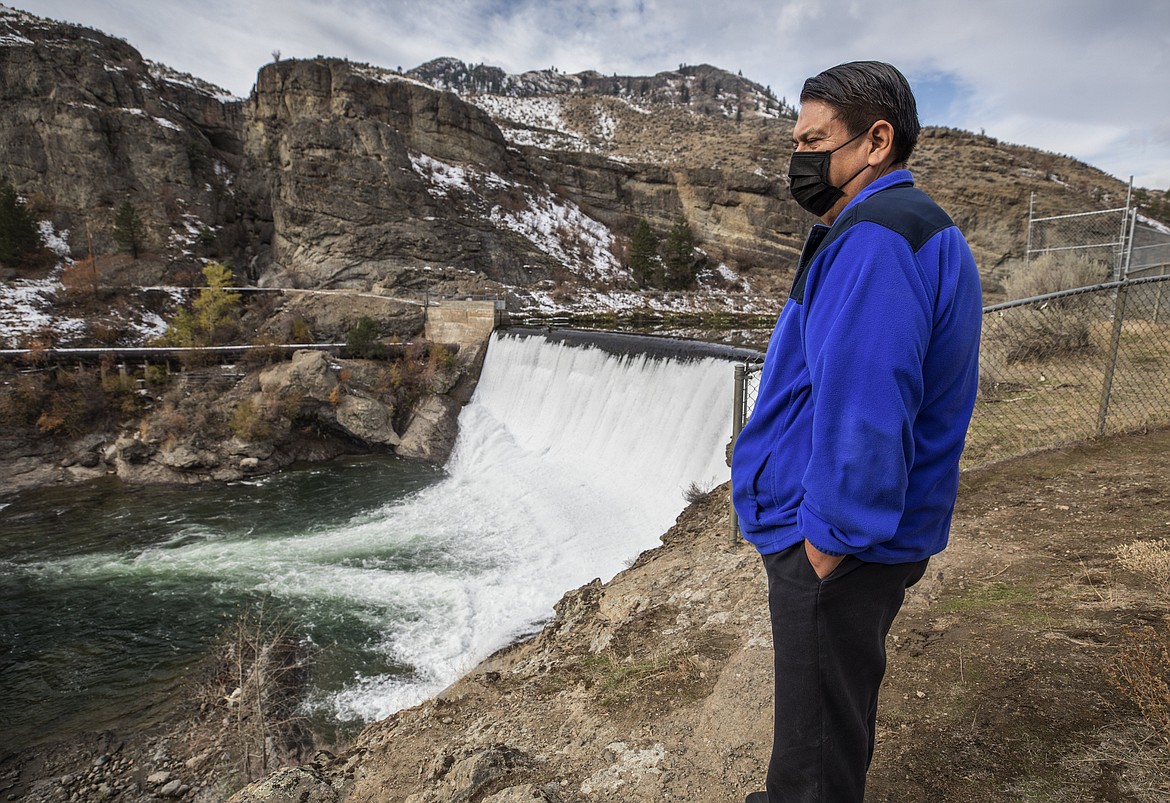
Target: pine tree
[
  {"x": 213, "y": 318},
  {"x": 20, "y": 241},
  {"x": 644, "y": 261},
  {"x": 128, "y": 229},
  {"x": 679, "y": 256},
  {"x": 362, "y": 340}
]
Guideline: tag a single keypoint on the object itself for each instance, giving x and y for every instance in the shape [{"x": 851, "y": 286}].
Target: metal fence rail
[{"x": 1098, "y": 235}]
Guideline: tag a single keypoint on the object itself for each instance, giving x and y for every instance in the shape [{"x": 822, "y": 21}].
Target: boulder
[
  {"x": 432, "y": 430},
  {"x": 308, "y": 374},
  {"x": 367, "y": 420}
]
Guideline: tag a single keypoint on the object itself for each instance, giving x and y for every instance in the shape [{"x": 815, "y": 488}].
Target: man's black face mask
[{"x": 808, "y": 179}]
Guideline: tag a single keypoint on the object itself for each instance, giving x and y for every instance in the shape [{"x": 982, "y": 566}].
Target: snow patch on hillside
[
  {"x": 1156, "y": 225},
  {"x": 560, "y": 229},
  {"x": 553, "y": 225},
  {"x": 445, "y": 178},
  {"x": 161, "y": 72},
  {"x": 540, "y": 112},
  {"x": 385, "y": 76},
  {"x": 55, "y": 241},
  {"x": 26, "y": 311}
]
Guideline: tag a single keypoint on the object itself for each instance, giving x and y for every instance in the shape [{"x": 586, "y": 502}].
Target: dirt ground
[
  {"x": 656, "y": 685},
  {"x": 1012, "y": 651}
]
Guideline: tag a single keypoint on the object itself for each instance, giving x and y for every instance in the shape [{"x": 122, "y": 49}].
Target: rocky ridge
[{"x": 337, "y": 174}]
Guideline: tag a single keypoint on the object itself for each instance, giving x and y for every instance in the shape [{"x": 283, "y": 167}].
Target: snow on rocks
[
  {"x": 559, "y": 228},
  {"x": 555, "y": 226}
]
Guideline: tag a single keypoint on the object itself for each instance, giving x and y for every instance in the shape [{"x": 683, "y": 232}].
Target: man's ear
[{"x": 881, "y": 138}]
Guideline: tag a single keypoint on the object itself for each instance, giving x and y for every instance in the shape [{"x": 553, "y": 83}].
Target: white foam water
[{"x": 570, "y": 461}]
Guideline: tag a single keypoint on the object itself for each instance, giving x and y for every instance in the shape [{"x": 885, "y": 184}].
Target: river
[{"x": 570, "y": 461}]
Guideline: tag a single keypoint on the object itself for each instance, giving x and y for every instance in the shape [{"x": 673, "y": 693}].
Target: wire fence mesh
[
  {"x": 1150, "y": 250},
  {"x": 1069, "y": 366},
  {"x": 1097, "y": 237},
  {"x": 1059, "y": 368}
]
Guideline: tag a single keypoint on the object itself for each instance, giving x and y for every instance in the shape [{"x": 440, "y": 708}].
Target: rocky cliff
[
  {"x": 89, "y": 124},
  {"x": 336, "y": 174}
]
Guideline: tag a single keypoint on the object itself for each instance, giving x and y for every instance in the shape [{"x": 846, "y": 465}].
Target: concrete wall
[{"x": 468, "y": 323}]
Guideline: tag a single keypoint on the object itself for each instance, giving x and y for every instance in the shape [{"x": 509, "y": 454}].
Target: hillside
[
  {"x": 333, "y": 174},
  {"x": 656, "y": 686}
]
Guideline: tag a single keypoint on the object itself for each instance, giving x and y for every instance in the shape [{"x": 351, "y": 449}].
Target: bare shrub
[
  {"x": 300, "y": 331},
  {"x": 512, "y": 199},
  {"x": 81, "y": 280},
  {"x": 695, "y": 491},
  {"x": 1051, "y": 273},
  {"x": 249, "y": 423},
  {"x": 265, "y": 351},
  {"x": 75, "y": 403},
  {"x": 1150, "y": 559},
  {"x": 22, "y": 396},
  {"x": 1058, "y": 327},
  {"x": 256, "y": 682},
  {"x": 1141, "y": 670},
  {"x": 167, "y": 424}
]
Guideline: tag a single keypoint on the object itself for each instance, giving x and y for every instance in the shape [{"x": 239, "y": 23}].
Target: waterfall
[{"x": 570, "y": 461}]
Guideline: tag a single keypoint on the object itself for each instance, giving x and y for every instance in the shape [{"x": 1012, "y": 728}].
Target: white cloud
[{"x": 1056, "y": 74}]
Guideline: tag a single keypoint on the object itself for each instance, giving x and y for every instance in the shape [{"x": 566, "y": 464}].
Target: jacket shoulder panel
[{"x": 903, "y": 209}]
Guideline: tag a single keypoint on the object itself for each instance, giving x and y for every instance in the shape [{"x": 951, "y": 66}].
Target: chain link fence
[
  {"x": 1066, "y": 366},
  {"x": 1096, "y": 237},
  {"x": 1069, "y": 366},
  {"x": 1150, "y": 250}
]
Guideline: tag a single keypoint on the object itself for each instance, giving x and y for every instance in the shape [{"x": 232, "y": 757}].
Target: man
[{"x": 845, "y": 476}]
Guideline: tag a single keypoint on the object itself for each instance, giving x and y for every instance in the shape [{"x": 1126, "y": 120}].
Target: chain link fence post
[{"x": 746, "y": 389}]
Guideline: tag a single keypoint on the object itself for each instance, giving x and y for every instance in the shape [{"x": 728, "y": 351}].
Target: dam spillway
[{"x": 573, "y": 456}]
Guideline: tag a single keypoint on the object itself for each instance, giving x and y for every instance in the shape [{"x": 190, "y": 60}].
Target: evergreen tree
[
  {"x": 128, "y": 229},
  {"x": 20, "y": 241},
  {"x": 644, "y": 261},
  {"x": 362, "y": 340},
  {"x": 679, "y": 257},
  {"x": 214, "y": 317}
]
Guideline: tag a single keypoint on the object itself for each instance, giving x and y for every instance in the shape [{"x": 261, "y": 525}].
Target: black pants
[{"x": 829, "y": 638}]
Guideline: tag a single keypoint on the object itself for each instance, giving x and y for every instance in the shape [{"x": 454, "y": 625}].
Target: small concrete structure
[{"x": 468, "y": 323}]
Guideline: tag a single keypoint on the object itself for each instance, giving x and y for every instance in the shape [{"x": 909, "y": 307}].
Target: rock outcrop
[
  {"x": 215, "y": 425},
  {"x": 89, "y": 124}
]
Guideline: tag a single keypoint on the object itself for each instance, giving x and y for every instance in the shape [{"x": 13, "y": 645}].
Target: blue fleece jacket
[{"x": 867, "y": 387}]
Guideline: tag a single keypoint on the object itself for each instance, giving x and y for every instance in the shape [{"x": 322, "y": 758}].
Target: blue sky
[{"x": 1086, "y": 78}]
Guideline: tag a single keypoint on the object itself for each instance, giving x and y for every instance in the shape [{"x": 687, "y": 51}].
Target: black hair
[{"x": 863, "y": 92}]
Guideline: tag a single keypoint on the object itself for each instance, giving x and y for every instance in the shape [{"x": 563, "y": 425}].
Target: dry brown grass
[
  {"x": 1056, "y": 396},
  {"x": 1141, "y": 670}
]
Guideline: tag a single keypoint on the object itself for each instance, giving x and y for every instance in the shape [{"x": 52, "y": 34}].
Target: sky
[{"x": 1083, "y": 78}]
